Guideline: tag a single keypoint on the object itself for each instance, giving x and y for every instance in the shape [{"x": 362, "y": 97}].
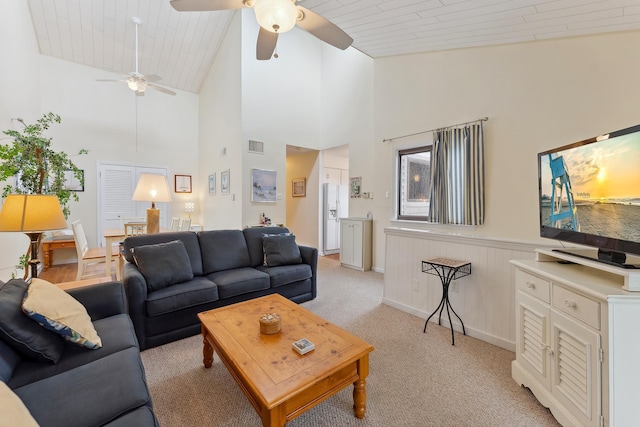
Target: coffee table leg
[
  {"x": 359, "y": 388},
  {"x": 207, "y": 353},
  {"x": 276, "y": 417}
]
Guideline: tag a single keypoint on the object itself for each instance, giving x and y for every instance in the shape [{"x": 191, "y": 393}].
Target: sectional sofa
[
  {"x": 171, "y": 277},
  {"x": 62, "y": 384}
]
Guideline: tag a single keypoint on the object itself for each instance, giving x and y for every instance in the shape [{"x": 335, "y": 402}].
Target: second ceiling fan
[
  {"x": 137, "y": 81},
  {"x": 275, "y": 17}
]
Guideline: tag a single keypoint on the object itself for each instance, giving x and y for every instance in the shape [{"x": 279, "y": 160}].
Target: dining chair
[
  {"x": 135, "y": 228},
  {"x": 185, "y": 224},
  {"x": 175, "y": 224},
  {"x": 89, "y": 256},
  {"x": 132, "y": 219}
]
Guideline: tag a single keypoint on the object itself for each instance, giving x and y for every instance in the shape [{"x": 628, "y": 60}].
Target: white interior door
[{"x": 116, "y": 184}]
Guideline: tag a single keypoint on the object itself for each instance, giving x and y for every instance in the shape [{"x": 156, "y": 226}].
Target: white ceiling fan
[
  {"x": 136, "y": 81},
  {"x": 275, "y": 17}
]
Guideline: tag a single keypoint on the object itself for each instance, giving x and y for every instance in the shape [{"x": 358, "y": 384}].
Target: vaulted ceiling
[{"x": 180, "y": 46}]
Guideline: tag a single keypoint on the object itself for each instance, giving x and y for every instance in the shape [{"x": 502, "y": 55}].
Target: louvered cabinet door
[
  {"x": 533, "y": 343},
  {"x": 576, "y": 373}
]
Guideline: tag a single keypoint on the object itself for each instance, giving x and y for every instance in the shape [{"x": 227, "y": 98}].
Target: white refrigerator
[{"x": 336, "y": 206}]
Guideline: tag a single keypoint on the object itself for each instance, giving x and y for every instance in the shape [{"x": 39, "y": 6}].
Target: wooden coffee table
[{"x": 280, "y": 383}]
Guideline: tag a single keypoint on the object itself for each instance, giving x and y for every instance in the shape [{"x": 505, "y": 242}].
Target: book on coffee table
[{"x": 303, "y": 346}]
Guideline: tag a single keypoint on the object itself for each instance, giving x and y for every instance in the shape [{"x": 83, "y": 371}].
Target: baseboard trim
[{"x": 475, "y": 333}]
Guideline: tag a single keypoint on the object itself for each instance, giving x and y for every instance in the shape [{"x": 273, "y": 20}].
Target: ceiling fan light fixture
[
  {"x": 276, "y": 16},
  {"x": 137, "y": 85}
]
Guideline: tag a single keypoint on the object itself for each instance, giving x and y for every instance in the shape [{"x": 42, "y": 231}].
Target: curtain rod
[{"x": 484, "y": 119}]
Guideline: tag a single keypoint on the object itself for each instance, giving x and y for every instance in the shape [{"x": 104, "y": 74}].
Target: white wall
[
  {"x": 220, "y": 121},
  {"x": 19, "y": 97},
  {"x": 536, "y": 95},
  {"x": 303, "y": 212},
  {"x": 281, "y": 104},
  {"x": 101, "y": 117}
]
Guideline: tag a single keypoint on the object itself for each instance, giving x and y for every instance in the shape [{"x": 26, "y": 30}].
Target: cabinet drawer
[
  {"x": 533, "y": 285},
  {"x": 576, "y": 305}
]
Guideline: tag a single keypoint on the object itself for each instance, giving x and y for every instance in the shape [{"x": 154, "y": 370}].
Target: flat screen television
[{"x": 589, "y": 194}]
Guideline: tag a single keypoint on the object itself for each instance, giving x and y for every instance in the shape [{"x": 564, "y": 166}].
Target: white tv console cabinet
[{"x": 578, "y": 338}]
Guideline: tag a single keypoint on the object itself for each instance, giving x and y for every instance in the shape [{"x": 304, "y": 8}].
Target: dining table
[{"x": 112, "y": 236}]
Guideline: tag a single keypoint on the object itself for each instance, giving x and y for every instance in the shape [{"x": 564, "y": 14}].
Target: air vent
[{"x": 256, "y": 147}]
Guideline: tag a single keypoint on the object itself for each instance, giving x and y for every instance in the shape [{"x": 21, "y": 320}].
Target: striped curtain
[{"x": 457, "y": 176}]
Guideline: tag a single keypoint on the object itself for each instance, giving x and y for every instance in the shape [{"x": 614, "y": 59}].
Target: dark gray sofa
[
  {"x": 103, "y": 387},
  {"x": 227, "y": 267}
]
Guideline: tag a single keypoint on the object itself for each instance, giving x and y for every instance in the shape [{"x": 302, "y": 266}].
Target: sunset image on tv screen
[{"x": 597, "y": 188}]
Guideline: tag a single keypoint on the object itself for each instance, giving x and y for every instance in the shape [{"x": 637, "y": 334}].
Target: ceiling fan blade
[
  {"x": 160, "y": 89},
  {"x": 206, "y": 5},
  {"x": 152, "y": 77},
  {"x": 324, "y": 29},
  {"x": 266, "y": 44}
]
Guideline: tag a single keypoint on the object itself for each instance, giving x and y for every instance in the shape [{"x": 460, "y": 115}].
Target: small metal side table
[{"x": 448, "y": 270}]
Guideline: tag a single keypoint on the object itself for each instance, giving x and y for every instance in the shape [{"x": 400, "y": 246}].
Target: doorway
[{"x": 116, "y": 184}]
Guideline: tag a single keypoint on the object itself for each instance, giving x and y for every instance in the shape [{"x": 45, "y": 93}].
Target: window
[{"x": 414, "y": 183}]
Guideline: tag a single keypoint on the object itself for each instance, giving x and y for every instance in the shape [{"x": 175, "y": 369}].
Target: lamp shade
[
  {"x": 152, "y": 188},
  {"x": 31, "y": 213},
  {"x": 276, "y": 16}
]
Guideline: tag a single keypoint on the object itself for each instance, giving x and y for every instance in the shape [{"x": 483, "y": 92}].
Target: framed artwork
[
  {"x": 263, "y": 186},
  {"x": 72, "y": 183},
  {"x": 224, "y": 182},
  {"x": 212, "y": 184},
  {"x": 299, "y": 187},
  {"x": 356, "y": 187},
  {"x": 183, "y": 183}
]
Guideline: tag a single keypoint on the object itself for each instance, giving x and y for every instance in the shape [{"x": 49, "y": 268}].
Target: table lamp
[
  {"x": 32, "y": 214},
  {"x": 152, "y": 188},
  {"x": 189, "y": 207}
]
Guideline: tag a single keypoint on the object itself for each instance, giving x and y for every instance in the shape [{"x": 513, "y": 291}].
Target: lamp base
[
  {"x": 153, "y": 221},
  {"x": 34, "y": 261}
]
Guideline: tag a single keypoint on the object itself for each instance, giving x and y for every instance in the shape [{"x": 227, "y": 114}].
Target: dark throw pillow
[
  {"x": 163, "y": 264},
  {"x": 280, "y": 250},
  {"x": 20, "y": 332}
]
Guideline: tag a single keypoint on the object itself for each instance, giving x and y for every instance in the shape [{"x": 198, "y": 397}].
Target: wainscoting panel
[{"x": 485, "y": 300}]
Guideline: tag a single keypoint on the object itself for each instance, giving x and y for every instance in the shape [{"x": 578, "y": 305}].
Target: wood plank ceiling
[{"x": 180, "y": 46}]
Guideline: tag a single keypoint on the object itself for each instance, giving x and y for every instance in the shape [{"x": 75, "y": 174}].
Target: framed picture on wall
[
  {"x": 263, "y": 186},
  {"x": 183, "y": 183},
  {"x": 225, "y": 181},
  {"x": 356, "y": 187},
  {"x": 212, "y": 184},
  {"x": 72, "y": 183},
  {"x": 299, "y": 187}
]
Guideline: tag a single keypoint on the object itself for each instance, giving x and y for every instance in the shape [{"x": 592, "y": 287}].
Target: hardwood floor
[
  {"x": 333, "y": 256},
  {"x": 67, "y": 272}
]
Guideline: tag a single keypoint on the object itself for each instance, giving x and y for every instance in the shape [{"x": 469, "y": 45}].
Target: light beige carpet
[{"x": 415, "y": 379}]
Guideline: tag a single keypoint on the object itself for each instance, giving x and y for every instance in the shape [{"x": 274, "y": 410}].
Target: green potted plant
[{"x": 30, "y": 166}]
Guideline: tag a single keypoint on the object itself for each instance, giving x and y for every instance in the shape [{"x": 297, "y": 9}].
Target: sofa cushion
[
  {"x": 189, "y": 238},
  {"x": 59, "y": 312},
  {"x": 89, "y": 395},
  {"x": 239, "y": 281},
  {"x": 142, "y": 416},
  {"x": 194, "y": 292},
  {"x": 223, "y": 250},
  {"x": 285, "y": 274},
  {"x": 163, "y": 264},
  {"x": 13, "y": 411},
  {"x": 253, "y": 237},
  {"x": 280, "y": 249},
  {"x": 117, "y": 334},
  {"x": 9, "y": 360},
  {"x": 23, "y": 334}
]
